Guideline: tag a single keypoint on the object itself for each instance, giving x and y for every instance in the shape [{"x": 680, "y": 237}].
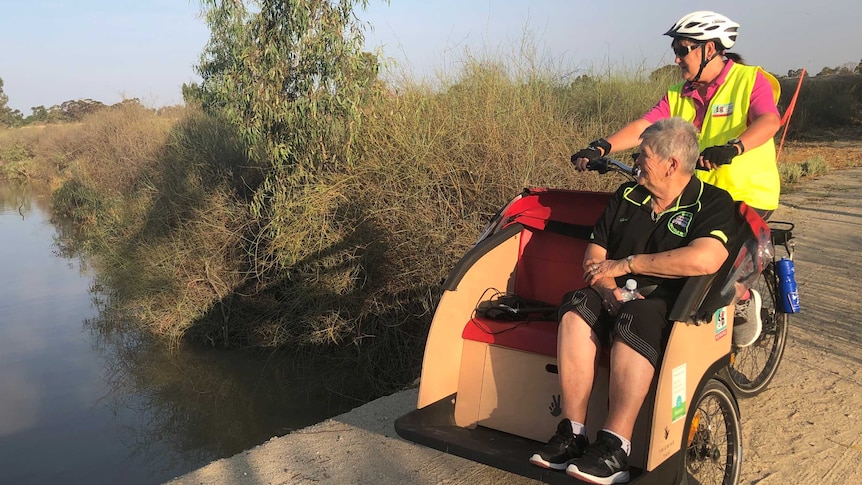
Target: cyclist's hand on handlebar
[
  {"x": 712, "y": 157},
  {"x": 581, "y": 158},
  {"x": 596, "y": 149}
]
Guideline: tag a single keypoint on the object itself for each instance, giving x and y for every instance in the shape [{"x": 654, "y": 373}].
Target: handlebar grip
[
  {"x": 599, "y": 165},
  {"x": 714, "y": 163}
]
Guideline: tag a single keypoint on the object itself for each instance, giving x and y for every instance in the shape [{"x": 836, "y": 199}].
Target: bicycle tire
[
  {"x": 752, "y": 368},
  {"x": 713, "y": 445}
]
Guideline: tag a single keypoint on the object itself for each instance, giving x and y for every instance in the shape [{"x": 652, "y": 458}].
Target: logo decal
[
  {"x": 555, "y": 407},
  {"x": 721, "y": 110},
  {"x": 678, "y": 224},
  {"x": 720, "y": 318},
  {"x": 613, "y": 463},
  {"x": 678, "y": 384}
]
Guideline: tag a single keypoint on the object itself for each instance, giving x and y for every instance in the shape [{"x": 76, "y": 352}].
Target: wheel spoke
[
  {"x": 713, "y": 456},
  {"x": 753, "y": 367}
]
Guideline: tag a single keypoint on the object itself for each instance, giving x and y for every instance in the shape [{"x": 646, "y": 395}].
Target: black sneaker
[
  {"x": 561, "y": 449},
  {"x": 604, "y": 462}
]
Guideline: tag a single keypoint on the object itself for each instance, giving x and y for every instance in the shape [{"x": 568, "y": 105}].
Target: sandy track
[{"x": 805, "y": 428}]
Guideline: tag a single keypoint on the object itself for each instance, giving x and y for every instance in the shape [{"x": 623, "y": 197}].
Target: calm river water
[{"x": 82, "y": 401}]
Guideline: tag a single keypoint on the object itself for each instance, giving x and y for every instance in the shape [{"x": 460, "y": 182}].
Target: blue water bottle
[{"x": 787, "y": 286}]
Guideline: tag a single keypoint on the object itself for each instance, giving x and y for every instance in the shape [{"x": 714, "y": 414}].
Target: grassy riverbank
[{"x": 347, "y": 262}]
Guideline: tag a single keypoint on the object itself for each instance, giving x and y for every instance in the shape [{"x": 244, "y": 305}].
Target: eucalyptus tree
[
  {"x": 290, "y": 77},
  {"x": 280, "y": 71},
  {"x": 8, "y": 116}
]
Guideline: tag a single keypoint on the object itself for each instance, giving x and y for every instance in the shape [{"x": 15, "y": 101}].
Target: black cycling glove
[
  {"x": 720, "y": 155},
  {"x": 592, "y": 151}
]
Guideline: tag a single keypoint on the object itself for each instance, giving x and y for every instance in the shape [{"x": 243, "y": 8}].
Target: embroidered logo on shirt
[
  {"x": 678, "y": 224},
  {"x": 721, "y": 110}
]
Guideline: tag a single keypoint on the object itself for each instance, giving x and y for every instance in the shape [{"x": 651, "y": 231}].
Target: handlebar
[
  {"x": 604, "y": 165},
  {"x": 698, "y": 167}
]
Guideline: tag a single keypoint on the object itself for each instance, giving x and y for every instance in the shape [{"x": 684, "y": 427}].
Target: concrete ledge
[{"x": 358, "y": 447}]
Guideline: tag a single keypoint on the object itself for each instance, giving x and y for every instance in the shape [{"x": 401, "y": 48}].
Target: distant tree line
[
  {"x": 830, "y": 71},
  {"x": 65, "y": 112}
]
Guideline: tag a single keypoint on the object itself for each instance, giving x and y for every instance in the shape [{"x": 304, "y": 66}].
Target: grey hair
[{"x": 674, "y": 137}]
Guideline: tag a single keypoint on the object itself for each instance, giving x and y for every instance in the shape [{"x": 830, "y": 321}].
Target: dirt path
[{"x": 805, "y": 428}]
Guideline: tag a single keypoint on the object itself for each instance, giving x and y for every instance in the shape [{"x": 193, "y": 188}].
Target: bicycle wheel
[
  {"x": 713, "y": 449},
  {"x": 752, "y": 368}
]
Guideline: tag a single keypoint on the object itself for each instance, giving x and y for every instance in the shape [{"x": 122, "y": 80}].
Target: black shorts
[{"x": 641, "y": 324}]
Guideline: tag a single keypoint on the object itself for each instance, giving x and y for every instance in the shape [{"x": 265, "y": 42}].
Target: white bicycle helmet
[{"x": 705, "y": 25}]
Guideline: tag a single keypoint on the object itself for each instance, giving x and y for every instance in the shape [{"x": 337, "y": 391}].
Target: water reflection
[
  {"x": 87, "y": 399},
  {"x": 196, "y": 405}
]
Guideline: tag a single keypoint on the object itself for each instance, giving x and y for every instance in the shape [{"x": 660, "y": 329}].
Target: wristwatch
[
  {"x": 737, "y": 142},
  {"x": 629, "y": 260}
]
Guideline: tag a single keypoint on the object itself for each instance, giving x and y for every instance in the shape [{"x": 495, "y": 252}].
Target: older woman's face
[{"x": 653, "y": 169}]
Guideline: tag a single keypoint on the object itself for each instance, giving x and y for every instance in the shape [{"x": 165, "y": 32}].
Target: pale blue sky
[{"x": 57, "y": 50}]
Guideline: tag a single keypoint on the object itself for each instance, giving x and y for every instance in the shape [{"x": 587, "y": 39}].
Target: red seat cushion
[{"x": 539, "y": 337}]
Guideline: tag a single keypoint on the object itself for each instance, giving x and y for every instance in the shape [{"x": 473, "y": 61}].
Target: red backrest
[
  {"x": 557, "y": 225},
  {"x": 550, "y": 265},
  {"x": 550, "y": 262}
]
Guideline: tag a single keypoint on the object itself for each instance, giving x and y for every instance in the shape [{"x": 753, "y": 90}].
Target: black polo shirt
[{"x": 627, "y": 226}]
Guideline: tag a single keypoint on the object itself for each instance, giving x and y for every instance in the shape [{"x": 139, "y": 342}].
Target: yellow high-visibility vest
[{"x": 753, "y": 176}]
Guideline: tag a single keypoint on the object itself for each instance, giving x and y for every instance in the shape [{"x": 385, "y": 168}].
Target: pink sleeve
[
  {"x": 762, "y": 100},
  {"x": 660, "y": 111}
]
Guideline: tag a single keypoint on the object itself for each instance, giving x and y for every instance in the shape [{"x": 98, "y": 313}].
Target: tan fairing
[
  {"x": 441, "y": 363},
  {"x": 514, "y": 391}
]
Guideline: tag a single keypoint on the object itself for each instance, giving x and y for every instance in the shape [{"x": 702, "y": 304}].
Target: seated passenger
[{"x": 667, "y": 226}]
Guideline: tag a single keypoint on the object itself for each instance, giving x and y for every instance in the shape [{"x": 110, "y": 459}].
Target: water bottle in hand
[{"x": 630, "y": 291}]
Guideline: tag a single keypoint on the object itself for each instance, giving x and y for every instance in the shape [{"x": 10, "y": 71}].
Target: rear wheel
[
  {"x": 752, "y": 368},
  {"x": 713, "y": 448}
]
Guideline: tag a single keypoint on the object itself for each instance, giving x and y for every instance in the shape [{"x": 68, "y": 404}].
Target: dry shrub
[
  {"x": 109, "y": 149},
  {"x": 438, "y": 164},
  {"x": 17, "y": 153},
  {"x": 175, "y": 254},
  {"x": 790, "y": 173},
  {"x": 815, "y": 167},
  {"x": 189, "y": 276},
  {"x": 116, "y": 146}
]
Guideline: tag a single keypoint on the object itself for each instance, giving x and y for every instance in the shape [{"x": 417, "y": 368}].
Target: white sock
[
  {"x": 627, "y": 445},
  {"x": 578, "y": 428}
]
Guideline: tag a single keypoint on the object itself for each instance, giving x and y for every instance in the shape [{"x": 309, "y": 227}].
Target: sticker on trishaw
[
  {"x": 720, "y": 319},
  {"x": 678, "y": 393}
]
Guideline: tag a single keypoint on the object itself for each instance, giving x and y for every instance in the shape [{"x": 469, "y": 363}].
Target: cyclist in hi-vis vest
[{"x": 735, "y": 108}]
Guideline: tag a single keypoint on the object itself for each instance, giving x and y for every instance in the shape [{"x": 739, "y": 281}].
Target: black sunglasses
[{"x": 684, "y": 50}]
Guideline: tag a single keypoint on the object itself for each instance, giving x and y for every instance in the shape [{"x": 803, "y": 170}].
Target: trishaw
[{"x": 489, "y": 389}]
